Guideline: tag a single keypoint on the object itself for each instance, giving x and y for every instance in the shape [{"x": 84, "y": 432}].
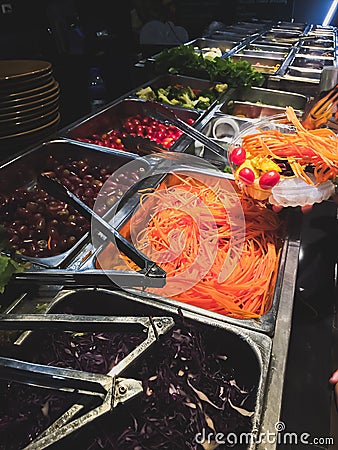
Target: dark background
[{"x": 78, "y": 34}]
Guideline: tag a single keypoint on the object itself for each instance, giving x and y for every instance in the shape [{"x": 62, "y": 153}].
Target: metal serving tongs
[
  {"x": 142, "y": 146},
  {"x": 163, "y": 113},
  {"x": 321, "y": 111},
  {"x": 96, "y": 394},
  {"x": 149, "y": 275}
]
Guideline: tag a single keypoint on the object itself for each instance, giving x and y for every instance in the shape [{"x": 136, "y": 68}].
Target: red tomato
[
  {"x": 238, "y": 156},
  {"x": 146, "y": 120},
  {"x": 246, "y": 175},
  {"x": 269, "y": 179}
]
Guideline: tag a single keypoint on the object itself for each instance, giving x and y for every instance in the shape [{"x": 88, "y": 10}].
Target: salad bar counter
[{"x": 149, "y": 270}]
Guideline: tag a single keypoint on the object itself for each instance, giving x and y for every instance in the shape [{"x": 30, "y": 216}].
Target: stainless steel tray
[
  {"x": 264, "y": 65},
  {"x": 269, "y": 48},
  {"x": 312, "y": 62},
  {"x": 197, "y": 84},
  {"x": 282, "y": 33},
  {"x": 273, "y": 42},
  {"x": 291, "y": 25},
  {"x": 202, "y": 43},
  {"x": 262, "y": 97},
  {"x": 316, "y": 52},
  {"x": 252, "y": 102},
  {"x": 263, "y": 54},
  {"x": 22, "y": 171},
  {"x": 303, "y": 73},
  {"x": 112, "y": 117},
  {"x": 248, "y": 350},
  {"x": 228, "y": 36},
  {"x": 266, "y": 323},
  {"x": 298, "y": 85}
]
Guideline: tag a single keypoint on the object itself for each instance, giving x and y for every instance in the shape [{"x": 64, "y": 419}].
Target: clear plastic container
[{"x": 281, "y": 186}]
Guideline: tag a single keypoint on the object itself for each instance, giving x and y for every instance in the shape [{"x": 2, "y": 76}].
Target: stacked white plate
[{"x": 29, "y": 102}]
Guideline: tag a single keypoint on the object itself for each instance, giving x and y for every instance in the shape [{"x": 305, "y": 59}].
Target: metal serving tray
[
  {"x": 224, "y": 43},
  {"x": 299, "y": 85},
  {"x": 22, "y": 171},
  {"x": 274, "y": 42},
  {"x": 312, "y": 62},
  {"x": 264, "y": 65},
  {"x": 202, "y": 43},
  {"x": 303, "y": 72},
  {"x": 316, "y": 52},
  {"x": 269, "y": 48},
  {"x": 281, "y": 33},
  {"x": 247, "y": 351},
  {"x": 241, "y": 29},
  {"x": 291, "y": 25},
  {"x": 197, "y": 84},
  {"x": 223, "y": 124},
  {"x": 252, "y": 26},
  {"x": 228, "y": 36},
  {"x": 263, "y": 54},
  {"x": 113, "y": 116},
  {"x": 262, "y": 97},
  {"x": 264, "y": 324},
  {"x": 321, "y": 43}
]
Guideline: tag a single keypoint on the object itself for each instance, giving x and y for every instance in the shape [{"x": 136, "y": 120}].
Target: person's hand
[
  {"x": 334, "y": 378},
  {"x": 305, "y": 209},
  {"x": 334, "y": 381}
]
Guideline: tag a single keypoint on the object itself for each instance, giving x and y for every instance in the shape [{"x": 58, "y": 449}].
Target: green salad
[{"x": 184, "y": 60}]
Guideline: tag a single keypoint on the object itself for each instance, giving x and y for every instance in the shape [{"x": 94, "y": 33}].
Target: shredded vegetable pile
[
  {"x": 247, "y": 293},
  {"x": 195, "y": 378},
  {"x": 306, "y": 151}
]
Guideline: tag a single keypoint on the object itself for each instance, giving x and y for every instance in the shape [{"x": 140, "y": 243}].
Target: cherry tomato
[
  {"x": 238, "y": 156},
  {"x": 246, "y": 175},
  {"x": 269, "y": 179}
]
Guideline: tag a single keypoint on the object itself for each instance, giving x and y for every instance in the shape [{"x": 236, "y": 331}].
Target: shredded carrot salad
[
  {"x": 317, "y": 148},
  {"x": 248, "y": 292}
]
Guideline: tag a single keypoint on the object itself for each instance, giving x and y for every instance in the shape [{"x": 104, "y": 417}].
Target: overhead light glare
[{"x": 330, "y": 13}]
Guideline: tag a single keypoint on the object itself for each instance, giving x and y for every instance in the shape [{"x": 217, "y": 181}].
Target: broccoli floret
[
  {"x": 174, "y": 101},
  {"x": 208, "y": 93},
  {"x": 146, "y": 93},
  {"x": 221, "y": 87},
  {"x": 187, "y": 90},
  {"x": 173, "y": 91},
  {"x": 186, "y": 101},
  {"x": 162, "y": 96},
  {"x": 203, "y": 103}
]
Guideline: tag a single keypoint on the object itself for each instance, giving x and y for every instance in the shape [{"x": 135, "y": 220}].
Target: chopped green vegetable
[
  {"x": 146, "y": 93},
  {"x": 179, "y": 95},
  {"x": 7, "y": 268},
  {"x": 186, "y": 101},
  {"x": 41, "y": 307},
  {"x": 185, "y": 61},
  {"x": 203, "y": 103},
  {"x": 162, "y": 96},
  {"x": 221, "y": 87}
]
